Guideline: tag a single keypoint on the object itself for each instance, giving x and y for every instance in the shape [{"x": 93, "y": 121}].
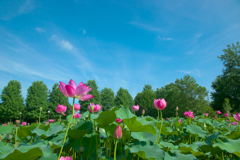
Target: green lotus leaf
[
  {"x": 207, "y": 121},
  {"x": 233, "y": 135},
  {"x": 216, "y": 124},
  {"x": 107, "y": 117},
  {"x": 50, "y": 157},
  {"x": 5, "y": 129},
  {"x": 28, "y": 152},
  {"x": 179, "y": 156},
  {"x": 210, "y": 138},
  {"x": 84, "y": 125},
  {"x": 5, "y": 149},
  {"x": 124, "y": 113},
  {"x": 136, "y": 126},
  {"x": 145, "y": 151},
  {"x": 77, "y": 134},
  {"x": 194, "y": 129},
  {"x": 84, "y": 115},
  {"x": 231, "y": 146},
  {"x": 52, "y": 130},
  {"x": 144, "y": 136},
  {"x": 56, "y": 141}
]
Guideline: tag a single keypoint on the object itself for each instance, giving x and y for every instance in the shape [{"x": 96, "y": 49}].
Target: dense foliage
[
  {"x": 12, "y": 101},
  {"x": 227, "y": 85}
]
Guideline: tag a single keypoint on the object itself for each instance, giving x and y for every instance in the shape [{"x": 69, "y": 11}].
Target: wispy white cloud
[
  {"x": 146, "y": 26},
  {"x": 62, "y": 43},
  {"x": 193, "y": 72},
  {"x": 28, "y": 6},
  {"x": 165, "y": 39},
  {"x": 40, "y": 30},
  {"x": 15, "y": 9},
  {"x": 83, "y": 30}
]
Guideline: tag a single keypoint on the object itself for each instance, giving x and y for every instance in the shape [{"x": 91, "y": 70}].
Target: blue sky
[{"x": 118, "y": 43}]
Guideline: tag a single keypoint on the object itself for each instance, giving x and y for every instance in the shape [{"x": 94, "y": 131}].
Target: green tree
[
  {"x": 147, "y": 87},
  {"x": 184, "y": 93},
  {"x": 227, "y": 85},
  {"x": 122, "y": 98},
  {"x": 55, "y": 98},
  {"x": 171, "y": 94},
  {"x": 96, "y": 99},
  {"x": 226, "y": 105},
  {"x": 107, "y": 98},
  {"x": 12, "y": 101},
  {"x": 130, "y": 99},
  {"x": 37, "y": 97},
  {"x": 145, "y": 100}
]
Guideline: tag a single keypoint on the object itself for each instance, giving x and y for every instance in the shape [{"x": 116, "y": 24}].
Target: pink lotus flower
[
  {"x": 219, "y": 112},
  {"x": 24, "y": 123},
  {"x": 177, "y": 108},
  {"x": 76, "y": 115},
  {"x": 66, "y": 158},
  {"x": 160, "y": 104},
  {"x": 180, "y": 121},
  {"x": 61, "y": 109},
  {"x": 119, "y": 120},
  {"x": 118, "y": 132},
  {"x": 168, "y": 119},
  {"x": 236, "y": 117},
  {"x": 189, "y": 114},
  {"x": 135, "y": 108},
  {"x": 226, "y": 114},
  {"x": 4, "y": 124},
  {"x": 51, "y": 120},
  {"x": 206, "y": 114},
  {"x": 143, "y": 111},
  {"x": 77, "y": 107},
  {"x": 71, "y": 90},
  {"x": 95, "y": 108},
  {"x": 47, "y": 122},
  {"x": 234, "y": 123}
]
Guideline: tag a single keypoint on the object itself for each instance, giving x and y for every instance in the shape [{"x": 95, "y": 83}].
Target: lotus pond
[{"x": 92, "y": 137}]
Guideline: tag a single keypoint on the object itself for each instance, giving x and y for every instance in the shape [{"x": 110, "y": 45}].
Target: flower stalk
[{"x": 66, "y": 131}]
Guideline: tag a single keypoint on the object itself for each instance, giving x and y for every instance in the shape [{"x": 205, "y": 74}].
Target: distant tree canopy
[
  {"x": 37, "y": 97},
  {"x": 107, "y": 97},
  {"x": 123, "y": 98},
  {"x": 145, "y": 100},
  {"x": 13, "y": 102},
  {"x": 184, "y": 93},
  {"x": 55, "y": 98},
  {"x": 227, "y": 85},
  {"x": 96, "y": 99}
]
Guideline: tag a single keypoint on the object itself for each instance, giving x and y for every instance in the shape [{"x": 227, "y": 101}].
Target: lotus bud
[
  {"x": 92, "y": 108},
  {"x": 40, "y": 108},
  {"x": 177, "y": 108},
  {"x": 118, "y": 132},
  {"x": 81, "y": 149},
  {"x": 143, "y": 111}
]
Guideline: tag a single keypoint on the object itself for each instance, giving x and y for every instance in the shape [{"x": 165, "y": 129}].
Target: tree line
[{"x": 184, "y": 93}]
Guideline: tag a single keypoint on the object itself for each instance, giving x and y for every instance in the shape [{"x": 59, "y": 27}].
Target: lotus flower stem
[
  {"x": 60, "y": 119},
  {"x": 160, "y": 129},
  {"x": 115, "y": 150},
  {"x": 90, "y": 143},
  {"x": 39, "y": 117},
  {"x": 158, "y": 118},
  {"x": 16, "y": 138},
  {"x": 67, "y": 130},
  {"x": 106, "y": 145},
  {"x": 96, "y": 139}
]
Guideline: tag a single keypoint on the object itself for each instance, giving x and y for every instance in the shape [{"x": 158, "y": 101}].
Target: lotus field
[{"x": 119, "y": 134}]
